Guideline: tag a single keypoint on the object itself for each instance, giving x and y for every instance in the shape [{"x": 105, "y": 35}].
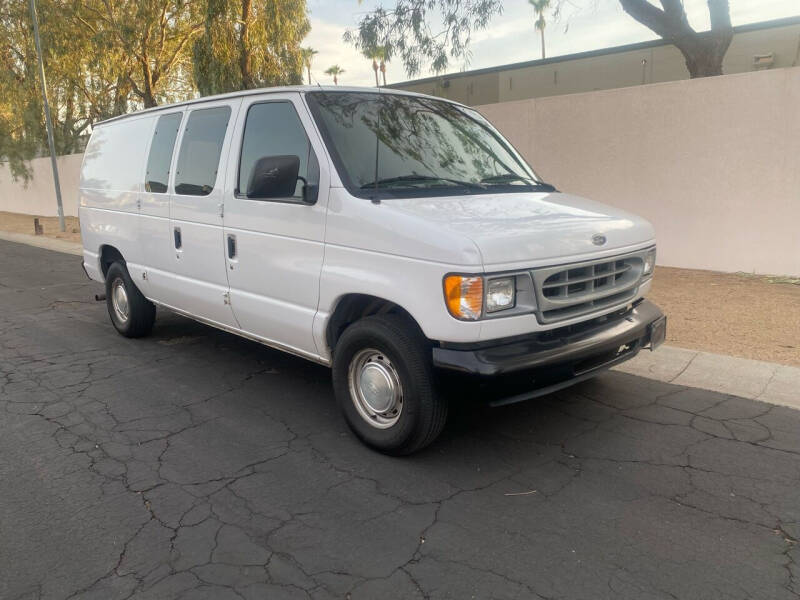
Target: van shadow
[{"x": 614, "y": 417}]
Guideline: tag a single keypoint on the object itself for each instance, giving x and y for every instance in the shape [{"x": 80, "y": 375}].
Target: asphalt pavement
[{"x": 195, "y": 464}]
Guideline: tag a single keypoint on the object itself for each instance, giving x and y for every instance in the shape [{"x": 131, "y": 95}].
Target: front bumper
[{"x": 541, "y": 363}]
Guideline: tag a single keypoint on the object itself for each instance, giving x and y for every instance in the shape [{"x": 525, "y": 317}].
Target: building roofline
[{"x": 783, "y": 22}]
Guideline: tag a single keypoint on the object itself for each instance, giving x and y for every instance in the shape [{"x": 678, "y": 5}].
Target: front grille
[{"x": 569, "y": 291}]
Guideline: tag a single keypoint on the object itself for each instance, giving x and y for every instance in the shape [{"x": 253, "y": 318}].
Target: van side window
[
  {"x": 274, "y": 129},
  {"x": 161, "y": 148},
  {"x": 201, "y": 146}
]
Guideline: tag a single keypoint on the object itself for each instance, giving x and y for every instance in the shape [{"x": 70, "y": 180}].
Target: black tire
[
  {"x": 423, "y": 411},
  {"x": 141, "y": 313}
]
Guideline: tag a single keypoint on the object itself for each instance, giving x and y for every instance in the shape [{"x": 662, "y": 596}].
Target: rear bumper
[{"x": 548, "y": 361}]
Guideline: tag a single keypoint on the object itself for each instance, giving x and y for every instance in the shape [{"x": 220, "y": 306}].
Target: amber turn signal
[{"x": 464, "y": 296}]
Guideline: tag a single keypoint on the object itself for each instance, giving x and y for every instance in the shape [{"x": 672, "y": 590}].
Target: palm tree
[
  {"x": 308, "y": 54},
  {"x": 335, "y": 70},
  {"x": 376, "y": 53},
  {"x": 539, "y": 6},
  {"x": 383, "y": 58}
]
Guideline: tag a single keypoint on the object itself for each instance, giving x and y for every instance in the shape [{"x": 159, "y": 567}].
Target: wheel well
[
  {"x": 108, "y": 256},
  {"x": 354, "y": 307}
]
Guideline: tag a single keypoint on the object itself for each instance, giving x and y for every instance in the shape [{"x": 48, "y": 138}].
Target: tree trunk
[
  {"x": 123, "y": 88},
  {"x": 308, "y": 68},
  {"x": 542, "y": 32},
  {"x": 703, "y": 65},
  {"x": 375, "y": 68},
  {"x": 383, "y": 72},
  {"x": 148, "y": 96},
  {"x": 244, "y": 49},
  {"x": 704, "y": 51}
]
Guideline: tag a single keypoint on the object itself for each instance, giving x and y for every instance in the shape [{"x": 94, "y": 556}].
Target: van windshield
[{"x": 395, "y": 146}]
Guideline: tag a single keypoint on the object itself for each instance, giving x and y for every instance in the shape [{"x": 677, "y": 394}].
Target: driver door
[{"x": 274, "y": 247}]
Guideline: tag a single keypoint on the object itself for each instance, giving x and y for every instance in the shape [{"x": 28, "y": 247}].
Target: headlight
[
  {"x": 468, "y": 297},
  {"x": 649, "y": 262},
  {"x": 500, "y": 294},
  {"x": 464, "y": 296}
]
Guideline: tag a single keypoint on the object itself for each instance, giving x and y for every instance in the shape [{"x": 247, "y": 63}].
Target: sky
[{"x": 590, "y": 25}]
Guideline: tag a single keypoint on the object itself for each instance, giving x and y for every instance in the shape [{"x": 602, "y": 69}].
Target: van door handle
[
  {"x": 231, "y": 246},
  {"x": 177, "y": 235}
]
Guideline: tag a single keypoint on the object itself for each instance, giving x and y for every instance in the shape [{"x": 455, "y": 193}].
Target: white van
[{"x": 392, "y": 236}]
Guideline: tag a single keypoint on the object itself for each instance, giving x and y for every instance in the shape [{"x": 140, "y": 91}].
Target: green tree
[
  {"x": 373, "y": 55},
  {"x": 107, "y": 57},
  {"x": 406, "y": 31},
  {"x": 308, "y": 56},
  {"x": 335, "y": 71},
  {"x": 379, "y": 56},
  {"x": 250, "y": 43},
  {"x": 380, "y": 53},
  {"x": 155, "y": 34},
  {"x": 87, "y": 79},
  {"x": 539, "y": 6}
]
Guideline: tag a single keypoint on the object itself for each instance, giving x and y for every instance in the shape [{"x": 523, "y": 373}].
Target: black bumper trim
[{"x": 631, "y": 329}]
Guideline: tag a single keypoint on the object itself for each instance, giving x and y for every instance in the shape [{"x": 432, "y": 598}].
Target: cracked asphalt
[{"x": 194, "y": 464}]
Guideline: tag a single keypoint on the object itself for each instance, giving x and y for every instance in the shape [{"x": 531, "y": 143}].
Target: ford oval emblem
[{"x": 598, "y": 239}]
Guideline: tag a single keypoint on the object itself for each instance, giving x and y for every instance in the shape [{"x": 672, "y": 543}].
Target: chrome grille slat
[
  {"x": 576, "y": 289},
  {"x": 589, "y": 278}
]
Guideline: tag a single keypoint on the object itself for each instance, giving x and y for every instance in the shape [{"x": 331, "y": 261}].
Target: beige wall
[
  {"x": 39, "y": 196},
  {"x": 713, "y": 163}
]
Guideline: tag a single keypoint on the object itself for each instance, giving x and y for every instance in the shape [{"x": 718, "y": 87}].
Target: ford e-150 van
[{"x": 395, "y": 237}]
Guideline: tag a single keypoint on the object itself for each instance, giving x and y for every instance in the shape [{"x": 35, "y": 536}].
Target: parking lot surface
[{"x": 196, "y": 464}]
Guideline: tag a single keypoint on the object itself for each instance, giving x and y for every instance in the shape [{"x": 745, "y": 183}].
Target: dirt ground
[
  {"x": 731, "y": 313},
  {"x": 18, "y": 223},
  {"x": 726, "y": 313}
]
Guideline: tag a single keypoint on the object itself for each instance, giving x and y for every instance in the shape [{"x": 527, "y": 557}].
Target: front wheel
[
  {"x": 131, "y": 313},
  {"x": 383, "y": 380}
]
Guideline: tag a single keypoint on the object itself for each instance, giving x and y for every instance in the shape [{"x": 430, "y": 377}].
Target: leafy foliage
[
  {"x": 308, "y": 56},
  {"x": 104, "y": 58},
  {"x": 334, "y": 71},
  {"x": 424, "y": 32},
  {"x": 250, "y": 43},
  {"x": 87, "y": 80}
]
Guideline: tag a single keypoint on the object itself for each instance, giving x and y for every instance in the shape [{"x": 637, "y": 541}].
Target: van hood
[{"x": 525, "y": 227}]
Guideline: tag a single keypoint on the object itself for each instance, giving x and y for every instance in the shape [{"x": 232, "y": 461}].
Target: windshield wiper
[
  {"x": 509, "y": 177},
  {"x": 421, "y": 178}
]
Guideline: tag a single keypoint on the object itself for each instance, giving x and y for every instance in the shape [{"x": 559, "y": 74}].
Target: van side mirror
[{"x": 274, "y": 177}]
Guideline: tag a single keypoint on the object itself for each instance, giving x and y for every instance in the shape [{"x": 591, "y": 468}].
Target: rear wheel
[
  {"x": 383, "y": 380},
  {"x": 131, "y": 313}
]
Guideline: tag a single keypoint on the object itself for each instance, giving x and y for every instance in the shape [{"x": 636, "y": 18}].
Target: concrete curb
[
  {"x": 43, "y": 242},
  {"x": 742, "y": 377}
]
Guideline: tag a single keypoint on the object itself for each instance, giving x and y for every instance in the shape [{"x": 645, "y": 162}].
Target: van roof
[{"x": 275, "y": 90}]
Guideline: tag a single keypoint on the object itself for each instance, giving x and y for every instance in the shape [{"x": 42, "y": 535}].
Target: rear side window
[
  {"x": 274, "y": 129},
  {"x": 201, "y": 147},
  {"x": 114, "y": 159},
  {"x": 161, "y": 148}
]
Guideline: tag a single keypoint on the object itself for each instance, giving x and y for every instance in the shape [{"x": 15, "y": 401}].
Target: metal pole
[{"x": 48, "y": 121}]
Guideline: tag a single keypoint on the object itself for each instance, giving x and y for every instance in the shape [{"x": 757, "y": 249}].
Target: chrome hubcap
[
  {"x": 375, "y": 388},
  {"x": 119, "y": 300}
]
